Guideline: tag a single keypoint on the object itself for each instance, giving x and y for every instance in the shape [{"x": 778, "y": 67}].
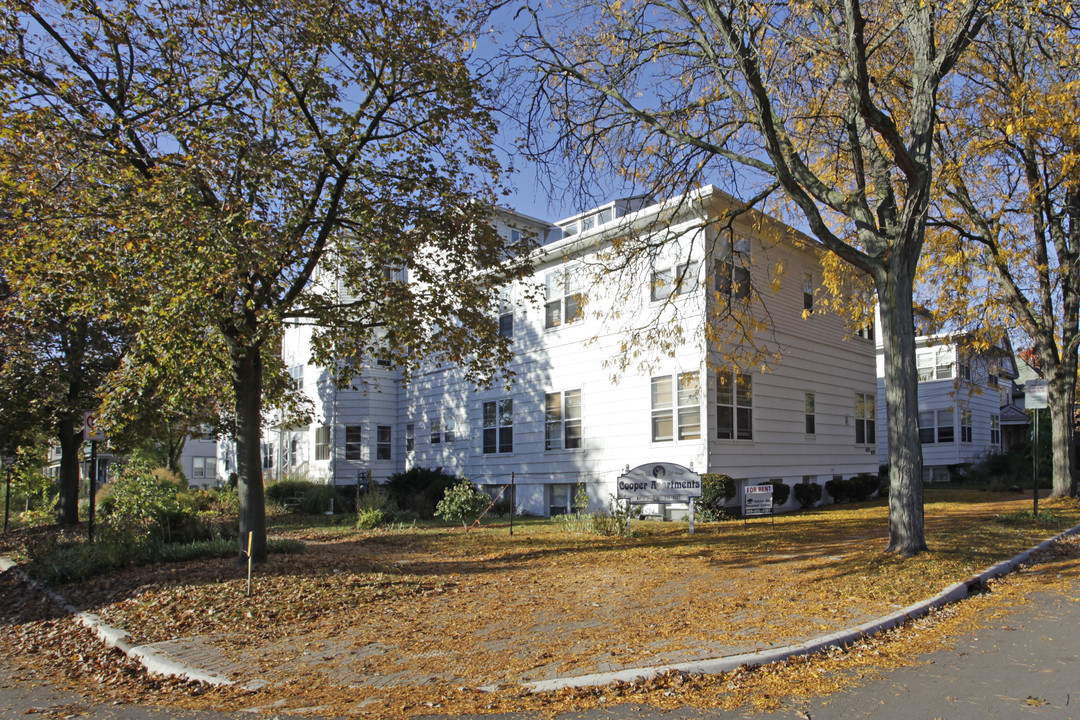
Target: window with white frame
[
  {"x": 383, "y": 442},
  {"x": 965, "y": 425},
  {"x": 676, "y": 407},
  {"x": 562, "y": 420},
  {"x": 865, "y": 419},
  {"x": 449, "y": 428},
  {"x": 734, "y": 406},
  {"x": 677, "y": 280},
  {"x": 808, "y": 292},
  {"x": 731, "y": 270},
  {"x": 809, "y": 414},
  {"x": 296, "y": 377},
  {"x": 944, "y": 363},
  {"x": 506, "y": 313},
  {"x": 562, "y": 294},
  {"x": 498, "y": 426},
  {"x": 410, "y": 437},
  {"x": 866, "y": 332},
  {"x": 946, "y": 432},
  {"x": 995, "y": 430},
  {"x": 936, "y": 426},
  {"x": 267, "y": 455},
  {"x": 322, "y": 442},
  {"x": 204, "y": 468},
  {"x": 354, "y": 446},
  {"x": 561, "y": 499},
  {"x": 436, "y": 430}
]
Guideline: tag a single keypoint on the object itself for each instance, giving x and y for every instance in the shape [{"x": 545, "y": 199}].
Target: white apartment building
[
  {"x": 963, "y": 397},
  {"x": 616, "y": 369}
]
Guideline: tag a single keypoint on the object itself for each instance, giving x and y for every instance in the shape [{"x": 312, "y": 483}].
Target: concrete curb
[
  {"x": 155, "y": 661},
  {"x": 158, "y": 663},
  {"x": 841, "y": 638}
]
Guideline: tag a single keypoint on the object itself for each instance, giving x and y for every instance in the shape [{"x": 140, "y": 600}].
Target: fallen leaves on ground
[{"x": 460, "y": 611}]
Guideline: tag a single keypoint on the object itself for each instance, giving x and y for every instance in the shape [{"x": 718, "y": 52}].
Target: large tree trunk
[
  {"x": 1062, "y": 395},
  {"x": 247, "y": 384},
  {"x": 70, "y": 444},
  {"x": 906, "y": 532}
]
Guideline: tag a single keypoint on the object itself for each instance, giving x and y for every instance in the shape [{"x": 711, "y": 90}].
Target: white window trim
[
  {"x": 563, "y": 423},
  {"x": 736, "y": 426}
]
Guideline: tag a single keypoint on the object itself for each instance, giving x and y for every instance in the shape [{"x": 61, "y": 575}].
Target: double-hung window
[
  {"x": 731, "y": 270},
  {"x": 562, "y": 420},
  {"x": 734, "y": 406},
  {"x": 808, "y": 292},
  {"x": 499, "y": 426},
  {"x": 322, "y": 442},
  {"x": 562, "y": 297},
  {"x": 436, "y": 430},
  {"x": 809, "y": 414},
  {"x": 936, "y": 426},
  {"x": 354, "y": 445},
  {"x": 995, "y": 430},
  {"x": 865, "y": 419},
  {"x": 410, "y": 437},
  {"x": 383, "y": 442},
  {"x": 677, "y": 280},
  {"x": 676, "y": 407},
  {"x": 506, "y": 313}
]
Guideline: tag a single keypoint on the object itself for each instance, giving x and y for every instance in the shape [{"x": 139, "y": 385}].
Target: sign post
[
  {"x": 1036, "y": 397},
  {"x": 660, "y": 482},
  {"x": 95, "y": 435},
  {"x": 7, "y": 463}
]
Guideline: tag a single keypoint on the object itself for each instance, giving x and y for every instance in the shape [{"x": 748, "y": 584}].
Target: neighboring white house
[
  {"x": 963, "y": 396},
  {"x": 808, "y": 416}
]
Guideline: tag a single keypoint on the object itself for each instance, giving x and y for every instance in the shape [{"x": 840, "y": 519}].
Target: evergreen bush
[
  {"x": 807, "y": 494},
  {"x": 781, "y": 491},
  {"x": 716, "y": 490},
  {"x": 420, "y": 489}
]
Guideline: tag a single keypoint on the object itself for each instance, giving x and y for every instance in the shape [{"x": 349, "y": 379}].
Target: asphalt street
[{"x": 1024, "y": 665}]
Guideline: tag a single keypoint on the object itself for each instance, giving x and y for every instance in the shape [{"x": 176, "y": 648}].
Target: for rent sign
[
  {"x": 757, "y": 500},
  {"x": 659, "y": 482}
]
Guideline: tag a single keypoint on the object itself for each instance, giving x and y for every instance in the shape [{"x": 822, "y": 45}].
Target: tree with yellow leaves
[
  {"x": 831, "y": 102},
  {"x": 1007, "y": 228}
]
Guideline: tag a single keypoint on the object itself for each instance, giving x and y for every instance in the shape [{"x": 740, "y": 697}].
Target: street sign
[
  {"x": 1036, "y": 394},
  {"x": 90, "y": 428}
]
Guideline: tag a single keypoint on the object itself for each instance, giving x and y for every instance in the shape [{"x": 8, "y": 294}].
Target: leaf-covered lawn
[{"x": 447, "y": 609}]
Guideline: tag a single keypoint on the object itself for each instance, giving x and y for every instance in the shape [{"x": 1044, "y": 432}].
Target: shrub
[
  {"x": 808, "y": 494},
  {"x": 420, "y": 489},
  {"x": 374, "y": 508},
  {"x": 461, "y": 503},
  {"x": 370, "y": 518},
  {"x": 839, "y": 490},
  {"x": 781, "y": 491},
  {"x": 288, "y": 493},
  {"x": 145, "y": 506},
  {"x": 321, "y": 498},
  {"x": 716, "y": 490},
  {"x": 578, "y": 520},
  {"x": 863, "y": 486},
  {"x": 614, "y": 521}
]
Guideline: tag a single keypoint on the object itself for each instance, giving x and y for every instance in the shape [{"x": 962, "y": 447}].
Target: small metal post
[
  {"x": 691, "y": 516},
  {"x": 93, "y": 486},
  {"x": 513, "y": 503},
  {"x": 249, "y": 564},
  {"x": 1035, "y": 469},
  {"x": 7, "y": 498}
]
